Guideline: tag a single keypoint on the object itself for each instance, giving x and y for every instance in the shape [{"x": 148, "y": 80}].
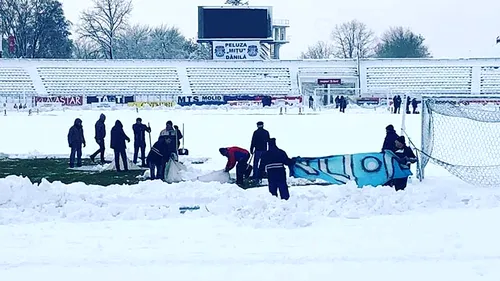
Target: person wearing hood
[
  {"x": 118, "y": 138},
  {"x": 75, "y": 140},
  {"x": 157, "y": 157},
  {"x": 236, "y": 156},
  {"x": 390, "y": 138},
  {"x": 100, "y": 134},
  {"x": 258, "y": 146},
  {"x": 406, "y": 158},
  {"x": 273, "y": 163}
]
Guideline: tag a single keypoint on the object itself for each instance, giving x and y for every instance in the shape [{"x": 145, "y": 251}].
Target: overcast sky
[{"x": 452, "y": 28}]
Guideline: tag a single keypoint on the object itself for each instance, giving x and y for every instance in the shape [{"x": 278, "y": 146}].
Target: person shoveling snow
[{"x": 239, "y": 157}]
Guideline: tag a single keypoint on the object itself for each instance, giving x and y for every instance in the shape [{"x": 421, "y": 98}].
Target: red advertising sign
[
  {"x": 329, "y": 81},
  {"x": 64, "y": 101}
]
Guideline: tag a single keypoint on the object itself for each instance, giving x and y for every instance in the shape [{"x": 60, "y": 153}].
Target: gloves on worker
[{"x": 406, "y": 160}]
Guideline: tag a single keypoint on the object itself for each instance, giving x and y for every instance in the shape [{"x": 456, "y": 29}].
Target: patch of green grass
[{"x": 57, "y": 170}]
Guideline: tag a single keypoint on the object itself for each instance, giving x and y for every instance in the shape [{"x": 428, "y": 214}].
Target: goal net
[
  {"x": 325, "y": 98},
  {"x": 462, "y": 134}
]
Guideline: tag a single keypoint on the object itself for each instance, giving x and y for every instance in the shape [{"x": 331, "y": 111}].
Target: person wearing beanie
[
  {"x": 273, "y": 163},
  {"x": 236, "y": 156},
  {"x": 406, "y": 158},
  {"x": 172, "y": 130},
  {"x": 390, "y": 138},
  {"x": 140, "y": 140},
  {"x": 258, "y": 146}
]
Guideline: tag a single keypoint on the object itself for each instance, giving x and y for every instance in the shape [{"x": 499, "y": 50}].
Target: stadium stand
[
  {"x": 240, "y": 80},
  {"x": 110, "y": 80},
  {"x": 420, "y": 78},
  {"x": 490, "y": 79},
  {"x": 277, "y": 77},
  {"x": 15, "y": 81}
]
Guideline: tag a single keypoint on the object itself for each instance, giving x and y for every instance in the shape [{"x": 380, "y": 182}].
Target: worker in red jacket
[{"x": 238, "y": 157}]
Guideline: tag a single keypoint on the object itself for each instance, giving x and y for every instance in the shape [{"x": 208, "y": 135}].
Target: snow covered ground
[{"x": 439, "y": 229}]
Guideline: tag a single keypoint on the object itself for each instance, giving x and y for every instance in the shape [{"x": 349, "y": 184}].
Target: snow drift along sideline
[{"x": 24, "y": 202}]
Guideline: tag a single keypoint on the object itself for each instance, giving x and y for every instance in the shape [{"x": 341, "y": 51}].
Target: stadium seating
[
  {"x": 239, "y": 80},
  {"x": 110, "y": 80},
  {"x": 171, "y": 78},
  {"x": 490, "y": 80},
  {"x": 15, "y": 80},
  {"x": 420, "y": 78}
]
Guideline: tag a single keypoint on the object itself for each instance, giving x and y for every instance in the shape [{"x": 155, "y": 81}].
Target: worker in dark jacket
[
  {"x": 75, "y": 140},
  {"x": 100, "y": 134},
  {"x": 140, "y": 140},
  {"x": 273, "y": 163},
  {"x": 172, "y": 132},
  {"x": 406, "y": 158},
  {"x": 157, "y": 157},
  {"x": 236, "y": 156},
  {"x": 390, "y": 138},
  {"x": 118, "y": 138},
  {"x": 258, "y": 146}
]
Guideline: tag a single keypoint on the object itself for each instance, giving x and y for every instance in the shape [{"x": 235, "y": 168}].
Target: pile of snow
[
  {"x": 22, "y": 202},
  {"x": 215, "y": 176}
]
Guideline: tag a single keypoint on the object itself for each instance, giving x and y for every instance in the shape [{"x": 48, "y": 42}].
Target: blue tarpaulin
[{"x": 365, "y": 169}]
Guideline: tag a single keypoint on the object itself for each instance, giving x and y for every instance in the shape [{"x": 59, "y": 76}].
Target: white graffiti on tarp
[
  {"x": 314, "y": 167},
  {"x": 340, "y": 169}
]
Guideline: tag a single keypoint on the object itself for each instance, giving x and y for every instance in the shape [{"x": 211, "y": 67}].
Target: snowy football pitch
[{"x": 439, "y": 229}]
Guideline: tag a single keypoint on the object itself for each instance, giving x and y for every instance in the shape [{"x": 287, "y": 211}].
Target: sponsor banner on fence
[
  {"x": 368, "y": 100},
  {"x": 248, "y": 100},
  {"x": 151, "y": 103},
  {"x": 201, "y": 100},
  {"x": 60, "y": 100},
  {"x": 110, "y": 99},
  {"x": 236, "y": 50}
]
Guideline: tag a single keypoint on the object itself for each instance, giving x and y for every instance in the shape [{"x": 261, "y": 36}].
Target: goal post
[{"x": 461, "y": 133}]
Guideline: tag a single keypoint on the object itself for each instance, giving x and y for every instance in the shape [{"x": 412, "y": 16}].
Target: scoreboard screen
[{"x": 231, "y": 23}]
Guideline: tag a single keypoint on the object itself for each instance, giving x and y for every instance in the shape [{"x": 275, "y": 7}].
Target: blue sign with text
[
  {"x": 110, "y": 98},
  {"x": 200, "y": 100}
]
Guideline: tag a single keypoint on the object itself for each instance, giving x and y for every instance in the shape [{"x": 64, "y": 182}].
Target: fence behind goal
[{"x": 462, "y": 134}]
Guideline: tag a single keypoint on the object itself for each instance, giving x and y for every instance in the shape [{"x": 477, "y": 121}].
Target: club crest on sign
[
  {"x": 220, "y": 51},
  {"x": 253, "y": 51}
]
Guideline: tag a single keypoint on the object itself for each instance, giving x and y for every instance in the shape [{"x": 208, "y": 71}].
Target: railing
[{"x": 281, "y": 22}]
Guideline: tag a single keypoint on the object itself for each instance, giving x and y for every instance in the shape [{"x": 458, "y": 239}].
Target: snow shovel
[
  {"x": 183, "y": 151},
  {"x": 150, "y": 145}
]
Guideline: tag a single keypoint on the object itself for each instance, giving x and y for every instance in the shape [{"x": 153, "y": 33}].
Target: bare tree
[
  {"x": 236, "y": 2},
  {"x": 320, "y": 50},
  {"x": 104, "y": 22},
  {"x": 85, "y": 49},
  {"x": 133, "y": 43},
  {"x": 352, "y": 37},
  {"x": 167, "y": 43}
]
